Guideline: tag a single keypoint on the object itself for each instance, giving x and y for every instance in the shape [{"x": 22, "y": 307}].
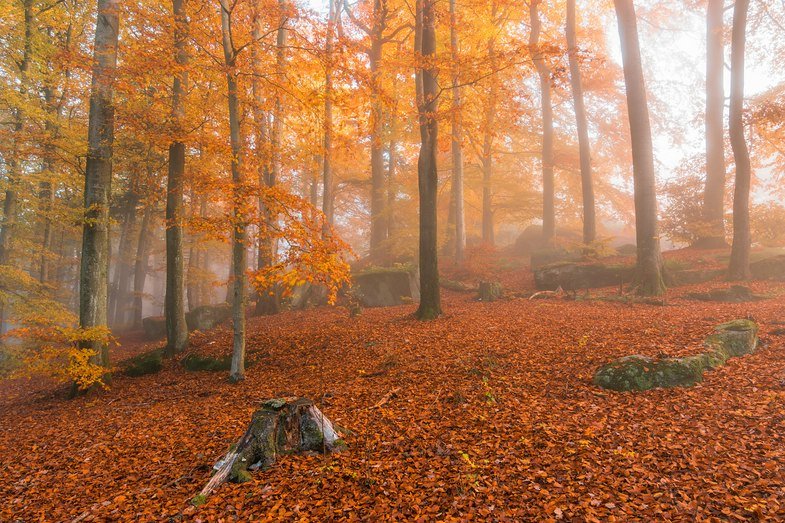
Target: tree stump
[
  {"x": 280, "y": 426},
  {"x": 490, "y": 291}
]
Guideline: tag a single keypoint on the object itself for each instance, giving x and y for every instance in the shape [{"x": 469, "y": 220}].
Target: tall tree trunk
[
  {"x": 456, "y": 190},
  {"x": 378, "y": 215},
  {"x": 119, "y": 305},
  {"x": 239, "y": 252},
  {"x": 584, "y": 147},
  {"x": 714, "y": 192},
  {"x": 141, "y": 265},
  {"x": 649, "y": 271},
  {"x": 174, "y": 308},
  {"x": 392, "y": 190},
  {"x": 739, "y": 268},
  {"x": 544, "y": 72},
  {"x": 268, "y": 300},
  {"x": 427, "y": 175},
  {"x": 328, "y": 196},
  {"x": 487, "y": 145},
  {"x": 94, "y": 272}
]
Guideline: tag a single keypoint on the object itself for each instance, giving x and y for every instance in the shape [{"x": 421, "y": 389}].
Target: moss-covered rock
[
  {"x": 197, "y": 362},
  {"x": 732, "y": 339},
  {"x": 154, "y": 327},
  {"x": 145, "y": 363},
  {"x": 206, "y": 317}
]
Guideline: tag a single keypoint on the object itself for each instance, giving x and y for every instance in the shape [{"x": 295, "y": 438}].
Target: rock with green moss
[
  {"x": 145, "y": 363},
  {"x": 636, "y": 372},
  {"x": 206, "y": 317},
  {"x": 772, "y": 268},
  {"x": 387, "y": 286},
  {"x": 197, "y": 362}
]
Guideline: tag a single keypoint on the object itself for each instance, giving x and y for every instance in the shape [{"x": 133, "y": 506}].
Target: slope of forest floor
[{"x": 496, "y": 419}]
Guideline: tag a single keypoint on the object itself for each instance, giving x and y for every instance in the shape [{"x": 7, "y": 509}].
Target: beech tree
[
  {"x": 587, "y": 183},
  {"x": 93, "y": 279},
  {"x": 649, "y": 267},
  {"x": 456, "y": 180},
  {"x": 427, "y": 174},
  {"x": 739, "y": 267},
  {"x": 174, "y": 310},
  {"x": 714, "y": 192}
]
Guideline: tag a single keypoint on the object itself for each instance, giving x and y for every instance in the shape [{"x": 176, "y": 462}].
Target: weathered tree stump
[
  {"x": 490, "y": 291},
  {"x": 280, "y": 426}
]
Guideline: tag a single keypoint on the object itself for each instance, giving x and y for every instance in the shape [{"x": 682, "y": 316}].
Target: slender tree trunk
[
  {"x": 456, "y": 190},
  {"x": 378, "y": 217},
  {"x": 544, "y": 72},
  {"x": 584, "y": 147},
  {"x": 328, "y": 196},
  {"x": 649, "y": 277},
  {"x": 174, "y": 308},
  {"x": 714, "y": 194},
  {"x": 391, "y": 185},
  {"x": 141, "y": 265},
  {"x": 487, "y": 145},
  {"x": 119, "y": 305},
  {"x": 268, "y": 300},
  {"x": 239, "y": 252},
  {"x": 739, "y": 268},
  {"x": 428, "y": 180},
  {"x": 94, "y": 273}
]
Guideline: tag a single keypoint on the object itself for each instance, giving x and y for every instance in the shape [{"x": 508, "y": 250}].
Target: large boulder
[
  {"x": 578, "y": 276},
  {"x": 730, "y": 340},
  {"x": 154, "y": 327},
  {"x": 733, "y": 294},
  {"x": 694, "y": 276},
  {"x": 387, "y": 286},
  {"x": 206, "y": 317},
  {"x": 769, "y": 268}
]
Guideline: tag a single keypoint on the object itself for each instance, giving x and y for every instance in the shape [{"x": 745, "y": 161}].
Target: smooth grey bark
[
  {"x": 649, "y": 271},
  {"x": 239, "y": 222},
  {"x": 141, "y": 264},
  {"x": 544, "y": 73},
  {"x": 118, "y": 306},
  {"x": 714, "y": 189},
  {"x": 739, "y": 267},
  {"x": 174, "y": 307},
  {"x": 94, "y": 268},
  {"x": 427, "y": 175},
  {"x": 584, "y": 146},
  {"x": 328, "y": 195},
  {"x": 456, "y": 180}
]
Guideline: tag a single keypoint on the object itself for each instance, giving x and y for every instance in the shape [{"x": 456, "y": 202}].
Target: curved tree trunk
[
  {"x": 649, "y": 271},
  {"x": 739, "y": 268},
  {"x": 174, "y": 308},
  {"x": 714, "y": 192},
  {"x": 544, "y": 72},
  {"x": 94, "y": 270},
  {"x": 584, "y": 147}
]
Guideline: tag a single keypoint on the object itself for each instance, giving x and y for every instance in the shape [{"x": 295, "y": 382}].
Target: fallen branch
[{"x": 387, "y": 397}]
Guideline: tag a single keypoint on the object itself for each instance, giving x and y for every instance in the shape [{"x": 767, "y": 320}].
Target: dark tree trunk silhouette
[
  {"x": 739, "y": 268},
  {"x": 94, "y": 270},
  {"x": 141, "y": 265},
  {"x": 544, "y": 73},
  {"x": 584, "y": 147},
  {"x": 174, "y": 308},
  {"x": 649, "y": 271},
  {"x": 430, "y": 299},
  {"x": 714, "y": 192}
]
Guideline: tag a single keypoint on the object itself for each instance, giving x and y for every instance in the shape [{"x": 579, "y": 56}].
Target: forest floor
[{"x": 496, "y": 419}]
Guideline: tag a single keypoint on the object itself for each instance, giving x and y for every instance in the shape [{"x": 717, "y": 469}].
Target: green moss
[
  {"x": 199, "y": 500},
  {"x": 196, "y": 362},
  {"x": 145, "y": 363},
  {"x": 738, "y": 325}
]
